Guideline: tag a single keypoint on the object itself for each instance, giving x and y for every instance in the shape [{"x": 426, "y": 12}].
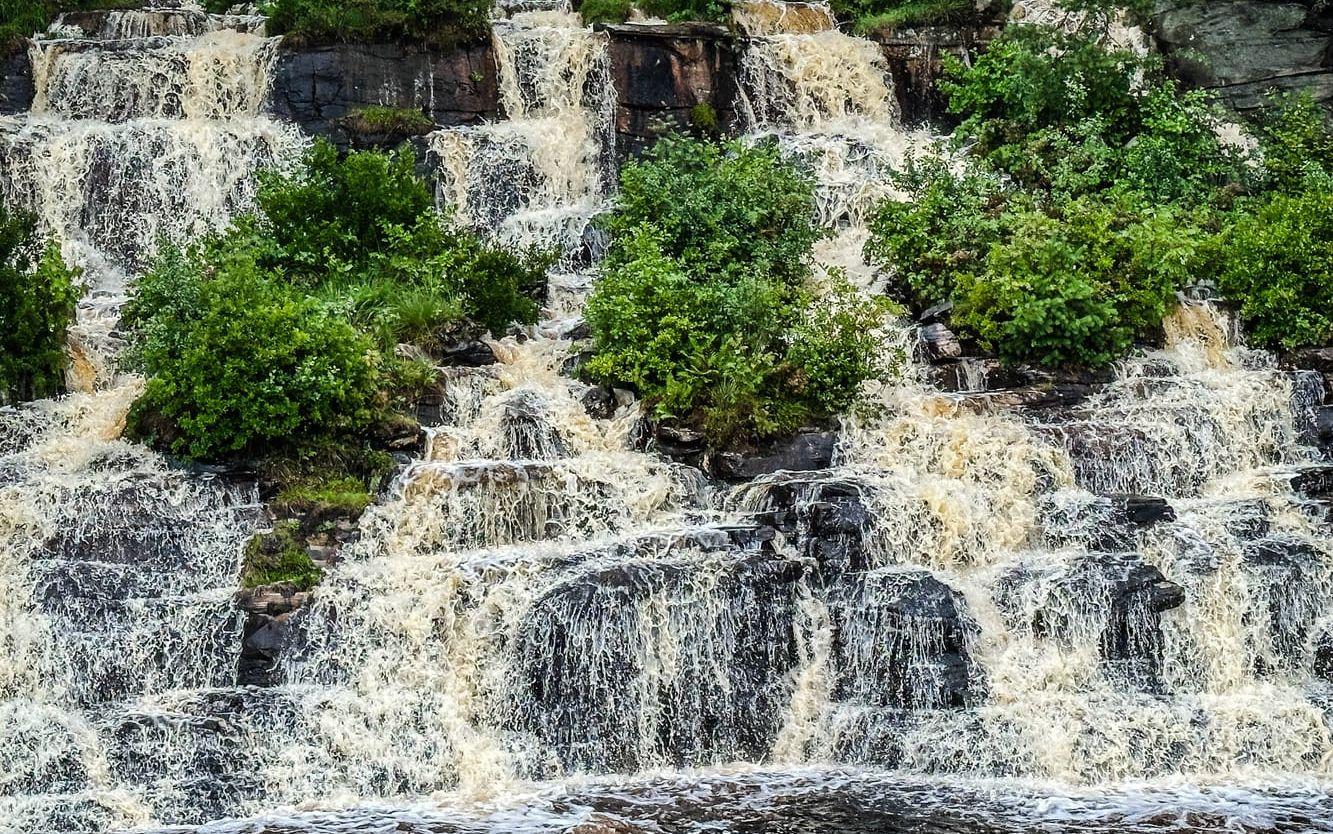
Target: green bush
[
  {"x": 1275, "y": 261},
  {"x": 704, "y": 304},
  {"x": 38, "y": 294},
  {"x": 874, "y": 15},
  {"x": 368, "y": 21},
  {"x": 395, "y": 121},
  {"x": 605, "y": 11},
  {"x": 1294, "y": 138},
  {"x": 945, "y": 226},
  {"x": 238, "y": 364},
  {"x": 278, "y": 558},
  {"x": 1080, "y": 286}
]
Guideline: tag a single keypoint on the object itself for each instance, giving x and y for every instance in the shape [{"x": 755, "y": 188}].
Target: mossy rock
[{"x": 279, "y": 557}]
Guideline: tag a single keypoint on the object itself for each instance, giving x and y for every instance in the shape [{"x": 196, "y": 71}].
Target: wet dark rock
[
  {"x": 1244, "y": 48},
  {"x": 681, "y": 444},
  {"x": 585, "y": 690},
  {"x": 398, "y": 433},
  {"x": 937, "y": 314},
  {"x": 1323, "y": 655},
  {"x": 938, "y": 343},
  {"x": 901, "y": 639},
  {"x": 1118, "y": 592},
  {"x": 827, "y": 518},
  {"x": 316, "y": 87},
  {"x": 16, "y": 84},
  {"x": 807, "y": 450},
  {"x": 465, "y": 353},
  {"x": 1130, "y": 514},
  {"x": 1314, "y": 482},
  {"x": 600, "y": 402},
  {"x": 676, "y": 77},
  {"x": 1285, "y": 570},
  {"x": 916, "y": 61},
  {"x": 1310, "y": 359},
  {"x": 262, "y": 643}
]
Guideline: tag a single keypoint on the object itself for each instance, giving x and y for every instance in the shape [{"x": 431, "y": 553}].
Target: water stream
[{"x": 1101, "y": 617}]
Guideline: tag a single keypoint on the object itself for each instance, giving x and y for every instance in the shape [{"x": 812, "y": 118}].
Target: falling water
[{"x": 1103, "y": 617}]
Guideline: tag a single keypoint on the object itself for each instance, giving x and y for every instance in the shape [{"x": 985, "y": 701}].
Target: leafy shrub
[
  {"x": 605, "y": 11},
  {"x": 38, "y": 294},
  {"x": 1294, "y": 138},
  {"x": 874, "y": 15},
  {"x": 946, "y": 226},
  {"x": 367, "y": 21},
  {"x": 1276, "y": 261},
  {"x": 238, "y": 364},
  {"x": 680, "y": 11},
  {"x": 278, "y": 336},
  {"x": 278, "y": 557},
  {"x": 704, "y": 303},
  {"x": 1078, "y": 287}
]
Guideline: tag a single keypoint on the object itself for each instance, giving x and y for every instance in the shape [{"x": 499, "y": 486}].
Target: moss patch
[
  {"x": 397, "y": 121},
  {"x": 279, "y": 558}
]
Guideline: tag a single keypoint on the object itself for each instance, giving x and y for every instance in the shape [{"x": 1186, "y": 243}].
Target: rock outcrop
[
  {"x": 16, "y": 85},
  {"x": 1244, "y": 48}
]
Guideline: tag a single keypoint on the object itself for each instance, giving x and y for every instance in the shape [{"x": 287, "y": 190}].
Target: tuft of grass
[
  {"x": 345, "y": 495},
  {"x": 703, "y": 118},
  {"x": 400, "y": 121},
  {"x": 279, "y": 558}
]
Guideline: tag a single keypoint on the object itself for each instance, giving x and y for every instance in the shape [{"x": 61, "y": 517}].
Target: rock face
[
  {"x": 916, "y": 61},
  {"x": 16, "y": 87},
  {"x": 671, "y": 77},
  {"x": 317, "y": 86},
  {"x": 1243, "y": 48}
]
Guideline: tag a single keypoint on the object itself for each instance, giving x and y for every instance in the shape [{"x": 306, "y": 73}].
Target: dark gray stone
[
  {"x": 808, "y": 450},
  {"x": 16, "y": 86}
]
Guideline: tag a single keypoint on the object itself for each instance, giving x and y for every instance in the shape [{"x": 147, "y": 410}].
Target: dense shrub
[
  {"x": 1276, "y": 262},
  {"x": 1079, "y": 286},
  {"x": 279, "y": 557},
  {"x": 239, "y": 364},
  {"x": 279, "y": 336},
  {"x": 1060, "y": 111},
  {"x": 38, "y": 294},
  {"x": 1294, "y": 140},
  {"x": 705, "y": 305},
  {"x": 368, "y": 21}
]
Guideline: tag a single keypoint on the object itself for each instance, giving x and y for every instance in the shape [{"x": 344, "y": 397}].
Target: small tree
[{"x": 38, "y": 296}]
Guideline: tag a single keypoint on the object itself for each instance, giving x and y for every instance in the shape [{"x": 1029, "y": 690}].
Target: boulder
[
  {"x": 671, "y": 77},
  {"x": 808, "y": 450},
  {"x": 16, "y": 84},
  {"x": 317, "y": 87},
  {"x": 1244, "y": 48}
]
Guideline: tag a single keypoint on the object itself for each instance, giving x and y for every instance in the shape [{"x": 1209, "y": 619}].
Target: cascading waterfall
[
  {"x": 1124, "y": 589},
  {"x": 119, "y": 571}
]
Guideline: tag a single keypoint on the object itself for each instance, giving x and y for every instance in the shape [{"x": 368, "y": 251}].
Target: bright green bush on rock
[
  {"x": 279, "y": 558},
  {"x": 375, "y": 21},
  {"x": 38, "y": 294},
  {"x": 875, "y": 15},
  {"x": 705, "y": 304},
  {"x": 1275, "y": 261},
  {"x": 278, "y": 337}
]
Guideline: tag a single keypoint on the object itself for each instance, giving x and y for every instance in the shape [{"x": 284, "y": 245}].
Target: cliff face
[{"x": 1244, "y": 48}]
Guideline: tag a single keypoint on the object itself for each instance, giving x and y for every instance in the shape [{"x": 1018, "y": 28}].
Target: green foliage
[
  {"x": 279, "y": 335},
  {"x": 239, "y": 364},
  {"x": 876, "y": 15},
  {"x": 343, "y": 494},
  {"x": 1080, "y": 286},
  {"x": 370, "y": 21},
  {"x": 396, "y": 121},
  {"x": 946, "y": 226},
  {"x": 703, "y": 118},
  {"x": 279, "y": 558},
  {"x": 38, "y": 294},
  {"x": 605, "y": 11},
  {"x": 20, "y": 19},
  {"x": 1276, "y": 261},
  {"x": 704, "y": 305},
  {"x": 682, "y": 11},
  {"x": 1295, "y": 140}
]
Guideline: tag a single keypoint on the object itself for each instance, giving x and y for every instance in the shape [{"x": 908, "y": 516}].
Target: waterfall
[
  {"x": 119, "y": 571},
  {"x": 1107, "y": 616}
]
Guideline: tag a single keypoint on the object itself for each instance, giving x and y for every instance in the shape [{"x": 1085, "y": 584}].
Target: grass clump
[
  {"x": 706, "y": 304},
  {"x": 277, "y": 338},
  {"x": 398, "y": 121},
  {"x": 38, "y": 294},
  {"x": 877, "y": 15},
  {"x": 278, "y": 558},
  {"x": 605, "y": 11},
  {"x": 436, "y": 22}
]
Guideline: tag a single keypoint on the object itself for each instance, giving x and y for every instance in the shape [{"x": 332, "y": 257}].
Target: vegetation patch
[
  {"x": 877, "y": 15},
  {"x": 277, "y": 339},
  {"x": 38, "y": 294},
  {"x": 393, "y": 121},
  {"x": 434, "y": 22},
  {"x": 707, "y": 305},
  {"x": 21, "y": 19},
  {"x": 673, "y": 11},
  {"x": 1086, "y": 190},
  {"x": 279, "y": 558}
]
